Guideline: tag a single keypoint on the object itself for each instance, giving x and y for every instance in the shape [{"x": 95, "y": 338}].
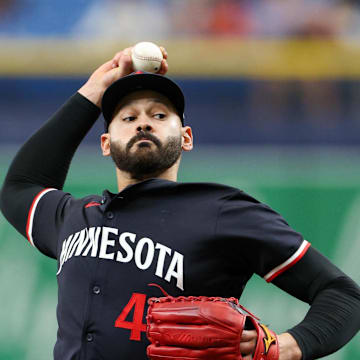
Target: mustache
[{"x": 143, "y": 136}]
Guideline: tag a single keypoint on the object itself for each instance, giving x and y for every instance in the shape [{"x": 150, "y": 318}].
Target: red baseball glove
[{"x": 204, "y": 328}]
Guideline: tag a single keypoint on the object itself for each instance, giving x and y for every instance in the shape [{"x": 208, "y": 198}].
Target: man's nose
[{"x": 144, "y": 125}]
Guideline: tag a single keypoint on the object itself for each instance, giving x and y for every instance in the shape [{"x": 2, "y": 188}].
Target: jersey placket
[{"x": 97, "y": 287}]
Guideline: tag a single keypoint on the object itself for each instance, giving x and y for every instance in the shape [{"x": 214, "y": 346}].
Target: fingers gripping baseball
[
  {"x": 164, "y": 64},
  {"x": 119, "y": 66},
  {"x": 205, "y": 328},
  {"x": 122, "y": 61}
]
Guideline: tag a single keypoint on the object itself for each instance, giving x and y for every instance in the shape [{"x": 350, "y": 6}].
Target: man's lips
[
  {"x": 144, "y": 143},
  {"x": 143, "y": 139}
]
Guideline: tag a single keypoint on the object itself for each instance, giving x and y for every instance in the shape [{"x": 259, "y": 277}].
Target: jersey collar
[{"x": 135, "y": 189}]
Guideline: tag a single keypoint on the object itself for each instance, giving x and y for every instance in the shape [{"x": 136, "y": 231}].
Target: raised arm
[{"x": 43, "y": 161}]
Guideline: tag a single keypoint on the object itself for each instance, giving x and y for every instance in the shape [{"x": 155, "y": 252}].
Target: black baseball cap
[{"x": 141, "y": 80}]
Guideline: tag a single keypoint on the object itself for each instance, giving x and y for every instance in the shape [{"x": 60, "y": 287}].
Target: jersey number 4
[{"x": 136, "y": 326}]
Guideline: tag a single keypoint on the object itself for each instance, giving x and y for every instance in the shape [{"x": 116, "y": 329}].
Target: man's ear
[
  {"x": 187, "y": 138},
  {"x": 105, "y": 144}
]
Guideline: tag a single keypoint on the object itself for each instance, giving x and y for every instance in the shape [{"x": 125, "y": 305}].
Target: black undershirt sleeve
[
  {"x": 334, "y": 315},
  {"x": 43, "y": 161}
]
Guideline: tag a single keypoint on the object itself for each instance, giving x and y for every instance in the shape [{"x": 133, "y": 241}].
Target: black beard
[{"x": 144, "y": 162}]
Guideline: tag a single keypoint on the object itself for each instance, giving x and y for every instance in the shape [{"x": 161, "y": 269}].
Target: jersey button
[
  {"x": 109, "y": 215},
  {"x": 96, "y": 290},
  {"x": 89, "y": 337}
]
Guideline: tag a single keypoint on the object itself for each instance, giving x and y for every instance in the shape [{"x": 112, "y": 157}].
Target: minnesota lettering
[{"x": 100, "y": 242}]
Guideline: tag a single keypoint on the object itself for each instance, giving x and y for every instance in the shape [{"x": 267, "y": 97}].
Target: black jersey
[{"x": 190, "y": 238}]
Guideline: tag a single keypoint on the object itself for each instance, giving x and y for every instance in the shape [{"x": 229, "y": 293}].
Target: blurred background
[{"x": 272, "y": 88}]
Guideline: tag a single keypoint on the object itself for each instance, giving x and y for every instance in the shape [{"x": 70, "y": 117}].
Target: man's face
[{"x": 146, "y": 136}]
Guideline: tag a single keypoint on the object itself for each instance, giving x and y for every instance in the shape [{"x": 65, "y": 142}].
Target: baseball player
[{"x": 192, "y": 239}]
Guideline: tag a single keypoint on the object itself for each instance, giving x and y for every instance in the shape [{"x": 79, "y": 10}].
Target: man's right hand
[{"x": 119, "y": 66}]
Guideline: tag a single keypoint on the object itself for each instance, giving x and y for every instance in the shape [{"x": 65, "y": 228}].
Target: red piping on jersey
[
  {"x": 30, "y": 212},
  {"x": 92, "y": 203},
  {"x": 272, "y": 277}
]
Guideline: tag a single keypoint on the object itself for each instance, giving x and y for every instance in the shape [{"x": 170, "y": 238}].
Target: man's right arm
[{"x": 43, "y": 161}]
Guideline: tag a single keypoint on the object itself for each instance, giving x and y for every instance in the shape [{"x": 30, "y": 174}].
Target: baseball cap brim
[{"x": 141, "y": 81}]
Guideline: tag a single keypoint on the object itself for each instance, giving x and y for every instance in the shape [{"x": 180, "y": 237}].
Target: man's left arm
[
  {"x": 334, "y": 314},
  {"x": 280, "y": 255}
]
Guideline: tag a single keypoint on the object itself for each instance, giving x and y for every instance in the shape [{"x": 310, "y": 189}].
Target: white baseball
[{"x": 146, "y": 56}]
